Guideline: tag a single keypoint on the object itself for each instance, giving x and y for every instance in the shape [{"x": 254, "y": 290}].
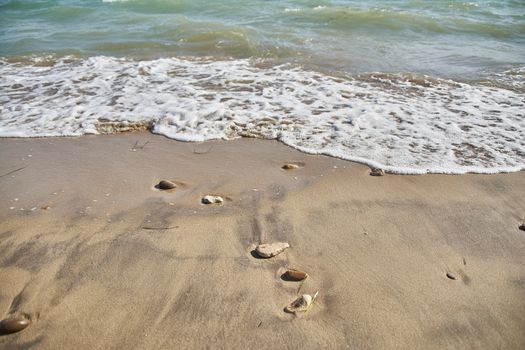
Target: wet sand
[{"x": 99, "y": 258}]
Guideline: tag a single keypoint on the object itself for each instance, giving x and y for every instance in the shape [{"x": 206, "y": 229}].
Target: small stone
[
  {"x": 290, "y": 166},
  {"x": 295, "y": 275},
  {"x": 301, "y": 304},
  {"x": 211, "y": 199},
  {"x": 522, "y": 227},
  {"x": 377, "y": 172},
  {"x": 269, "y": 250},
  {"x": 166, "y": 185},
  {"x": 451, "y": 276},
  {"x": 14, "y": 324}
]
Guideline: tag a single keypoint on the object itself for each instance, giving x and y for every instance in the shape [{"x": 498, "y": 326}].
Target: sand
[{"x": 100, "y": 259}]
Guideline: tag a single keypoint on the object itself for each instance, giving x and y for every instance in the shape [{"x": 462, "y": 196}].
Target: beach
[
  {"x": 295, "y": 174},
  {"x": 98, "y": 258}
]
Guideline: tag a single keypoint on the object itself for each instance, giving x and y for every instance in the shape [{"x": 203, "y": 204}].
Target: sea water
[{"x": 410, "y": 86}]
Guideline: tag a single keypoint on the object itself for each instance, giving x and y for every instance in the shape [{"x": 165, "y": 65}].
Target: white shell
[
  {"x": 271, "y": 249},
  {"x": 301, "y": 304},
  {"x": 210, "y": 199}
]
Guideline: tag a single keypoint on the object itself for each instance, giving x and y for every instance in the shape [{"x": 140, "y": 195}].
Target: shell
[
  {"x": 295, "y": 275},
  {"x": 451, "y": 276},
  {"x": 166, "y": 185},
  {"x": 210, "y": 199},
  {"x": 290, "y": 166},
  {"x": 269, "y": 250},
  {"x": 301, "y": 304},
  {"x": 377, "y": 172},
  {"x": 14, "y": 324}
]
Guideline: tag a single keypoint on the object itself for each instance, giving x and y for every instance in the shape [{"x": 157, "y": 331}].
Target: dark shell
[
  {"x": 377, "y": 172},
  {"x": 290, "y": 166},
  {"x": 166, "y": 185},
  {"x": 295, "y": 275},
  {"x": 14, "y": 324},
  {"x": 451, "y": 276}
]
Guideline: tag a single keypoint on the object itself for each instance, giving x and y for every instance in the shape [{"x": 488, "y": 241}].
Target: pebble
[
  {"x": 290, "y": 166},
  {"x": 522, "y": 227},
  {"x": 269, "y": 250},
  {"x": 14, "y": 324},
  {"x": 295, "y": 275},
  {"x": 211, "y": 199},
  {"x": 377, "y": 172},
  {"x": 166, "y": 185}
]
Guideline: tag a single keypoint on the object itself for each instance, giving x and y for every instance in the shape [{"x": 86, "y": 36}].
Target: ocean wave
[
  {"x": 343, "y": 17},
  {"x": 404, "y": 123}
]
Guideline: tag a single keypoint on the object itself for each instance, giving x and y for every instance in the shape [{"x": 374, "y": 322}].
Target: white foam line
[{"x": 402, "y": 123}]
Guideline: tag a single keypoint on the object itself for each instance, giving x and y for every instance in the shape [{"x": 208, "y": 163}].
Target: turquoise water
[
  {"x": 441, "y": 37},
  {"x": 411, "y": 86}
]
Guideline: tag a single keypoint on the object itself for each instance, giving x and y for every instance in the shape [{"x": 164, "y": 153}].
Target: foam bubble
[{"x": 402, "y": 123}]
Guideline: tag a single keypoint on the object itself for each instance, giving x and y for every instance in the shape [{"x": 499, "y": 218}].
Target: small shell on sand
[
  {"x": 377, "y": 172},
  {"x": 295, "y": 275},
  {"x": 451, "y": 276},
  {"x": 268, "y": 250},
  {"x": 14, "y": 324},
  {"x": 166, "y": 185},
  {"x": 301, "y": 304},
  {"x": 210, "y": 199},
  {"x": 290, "y": 166}
]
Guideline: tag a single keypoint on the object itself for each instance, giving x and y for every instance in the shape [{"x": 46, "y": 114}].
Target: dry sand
[{"x": 101, "y": 260}]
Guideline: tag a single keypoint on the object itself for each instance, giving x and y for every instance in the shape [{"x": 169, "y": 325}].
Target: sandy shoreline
[{"x": 100, "y": 259}]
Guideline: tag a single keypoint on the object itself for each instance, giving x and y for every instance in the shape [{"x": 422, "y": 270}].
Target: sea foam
[{"x": 400, "y": 122}]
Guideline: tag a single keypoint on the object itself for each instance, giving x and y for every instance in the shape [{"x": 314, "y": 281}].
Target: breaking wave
[{"x": 404, "y": 123}]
